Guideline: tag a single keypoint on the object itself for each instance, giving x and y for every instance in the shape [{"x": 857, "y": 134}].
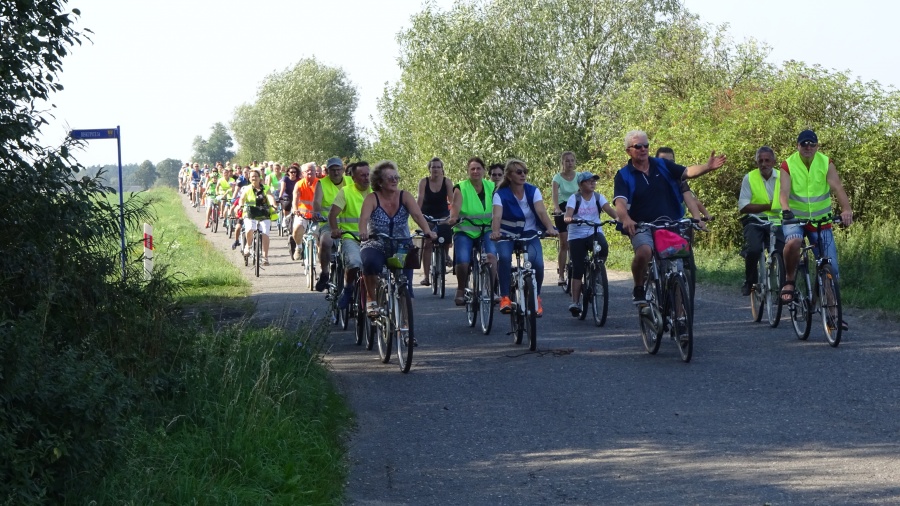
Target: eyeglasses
[
  {"x": 293, "y": 172},
  {"x": 395, "y": 179},
  {"x": 522, "y": 171},
  {"x": 497, "y": 174},
  {"x": 809, "y": 144},
  {"x": 640, "y": 146}
]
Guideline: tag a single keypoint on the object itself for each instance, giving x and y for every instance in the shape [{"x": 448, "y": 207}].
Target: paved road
[{"x": 590, "y": 418}]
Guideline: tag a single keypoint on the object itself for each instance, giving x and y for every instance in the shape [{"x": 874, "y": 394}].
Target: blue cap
[
  {"x": 807, "y": 135},
  {"x": 586, "y": 176}
]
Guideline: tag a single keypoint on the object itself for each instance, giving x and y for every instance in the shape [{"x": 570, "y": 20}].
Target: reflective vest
[
  {"x": 759, "y": 195},
  {"x": 330, "y": 190},
  {"x": 810, "y": 197},
  {"x": 348, "y": 219},
  {"x": 512, "y": 222},
  {"x": 305, "y": 193},
  {"x": 473, "y": 208}
]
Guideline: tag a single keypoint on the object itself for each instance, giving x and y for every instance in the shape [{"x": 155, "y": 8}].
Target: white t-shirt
[
  {"x": 587, "y": 211},
  {"x": 530, "y": 218}
]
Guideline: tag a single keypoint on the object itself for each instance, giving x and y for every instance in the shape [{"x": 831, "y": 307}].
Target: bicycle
[
  {"x": 595, "y": 286},
  {"x": 229, "y": 222},
  {"x": 765, "y": 294},
  {"x": 255, "y": 249},
  {"x": 309, "y": 252},
  {"x": 825, "y": 296},
  {"x": 393, "y": 326},
  {"x": 668, "y": 302},
  {"x": 214, "y": 216},
  {"x": 480, "y": 287},
  {"x": 357, "y": 309},
  {"x": 336, "y": 281},
  {"x": 438, "y": 272},
  {"x": 523, "y": 292}
]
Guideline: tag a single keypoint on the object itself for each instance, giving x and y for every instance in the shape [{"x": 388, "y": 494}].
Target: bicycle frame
[
  {"x": 523, "y": 281},
  {"x": 475, "y": 296}
]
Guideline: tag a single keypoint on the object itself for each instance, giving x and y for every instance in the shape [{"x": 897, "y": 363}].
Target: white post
[{"x": 148, "y": 251}]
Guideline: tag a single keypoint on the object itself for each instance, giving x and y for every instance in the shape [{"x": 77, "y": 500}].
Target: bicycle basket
[{"x": 670, "y": 244}]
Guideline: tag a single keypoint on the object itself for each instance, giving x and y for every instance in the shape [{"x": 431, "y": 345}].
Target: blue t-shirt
[{"x": 653, "y": 195}]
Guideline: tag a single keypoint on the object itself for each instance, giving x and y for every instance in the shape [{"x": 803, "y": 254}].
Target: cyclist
[
  {"x": 195, "y": 182},
  {"x": 758, "y": 201},
  {"x": 472, "y": 200},
  {"x": 326, "y": 189},
  {"x": 564, "y": 186},
  {"x": 241, "y": 184},
  {"x": 344, "y": 217},
  {"x": 258, "y": 205},
  {"x": 385, "y": 210},
  {"x": 585, "y": 205},
  {"x": 647, "y": 189},
  {"x": 517, "y": 207},
  {"x": 434, "y": 200},
  {"x": 184, "y": 177},
  {"x": 210, "y": 191},
  {"x": 495, "y": 172},
  {"x": 807, "y": 180},
  {"x": 303, "y": 195}
]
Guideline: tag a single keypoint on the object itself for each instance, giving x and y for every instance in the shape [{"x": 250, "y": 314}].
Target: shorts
[
  {"x": 641, "y": 238},
  {"x": 462, "y": 247},
  {"x": 559, "y": 220},
  {"x": 350, "y": 252},
  {"x": 265, "y": 225}
]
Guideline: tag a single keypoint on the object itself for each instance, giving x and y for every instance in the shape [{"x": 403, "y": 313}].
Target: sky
[{"x": 166, "y": 71}]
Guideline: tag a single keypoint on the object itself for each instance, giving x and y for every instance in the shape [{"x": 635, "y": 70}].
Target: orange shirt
[{"x": 305, "y": 192}]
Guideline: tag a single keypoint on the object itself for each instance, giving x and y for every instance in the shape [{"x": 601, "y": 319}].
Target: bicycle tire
[
  {"x": 404, "y": 339},
  {"x": 801, "y": 309},
  {"x": 382, "y": 324},
  {"x": 586, "y": 292},
  {"x": 517, "y": 319},
  {"x": 649, "y": 319},
  {"x": 680, "y": 302},
  {"x": 775, "y": 278},
  {"x": 310, "y": 267},
  {"x": 257, "y": 250},
  {"x": 830, "y": 305},
  {"x": 600, "y": 303},
  {"x": 531, "y": 314},
  {"x": 758, "y": 291},
  {"x": 471, "y": 297},
  {"x": 214, "y": 219},
  {"x": 486, "y": 298},
  {"x": 441, "y": 280},
  {"x": 567, "y": 286},
  {"x": 434, "y": 272}
]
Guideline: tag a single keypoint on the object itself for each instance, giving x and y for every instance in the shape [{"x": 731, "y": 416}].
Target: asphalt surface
[{"x": 757, "y": 417}]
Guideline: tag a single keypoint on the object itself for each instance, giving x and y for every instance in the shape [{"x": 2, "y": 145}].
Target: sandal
[
  {"x": 425, "y": 282},
  {"x": 788, "y": 296},
  {"x": 372, "y": 309},
  {"x": 460, "y": 299}
]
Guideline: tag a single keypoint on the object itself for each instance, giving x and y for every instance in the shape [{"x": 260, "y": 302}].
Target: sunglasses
[
  {"x": 809, "y": 144},
  {"x": 497, "y": 174},
  {"x": 522, "y": 171},
  {"x": 392, "y": 178},
  {"x": 640, "y": 146}
]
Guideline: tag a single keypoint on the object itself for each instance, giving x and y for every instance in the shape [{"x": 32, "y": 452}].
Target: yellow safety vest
[
  {"x": 810, "y": 197},
  {"x": 759, "y": 195},
  {"x": 330, "y": 190},
  {"x": 473, "y": 208},
  {"x": 348, "y": 219}
]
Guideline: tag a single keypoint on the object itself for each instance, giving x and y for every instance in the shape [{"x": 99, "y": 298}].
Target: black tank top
[{"x": 435, "y": 203}]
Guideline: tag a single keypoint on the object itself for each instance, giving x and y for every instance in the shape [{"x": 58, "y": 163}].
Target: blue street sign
[{"x": 100, "y": 133}]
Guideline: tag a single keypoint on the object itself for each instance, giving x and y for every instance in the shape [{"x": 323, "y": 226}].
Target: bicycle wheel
[
  {"x": 599, "y": 292},
  {"x": 362, "y": 320},
  {"x": 310, "y": 267},
  {"x": 486, "y": 298},
  {"x": 405, "y": 340},
  {"x": 382, "y": 324},
  {"x": 651, "y": 320},
  {"x": 214, "y": 219},
  {"x": 830, "y": 304},
  {"x": 587, "y": 292},
  {"x": 801, "y": 309},
  {"x": 440, "y": 281},
  {"x": 681, "y": 318},
  {"x": 257, "y": 250},
  {"x": 530, "y": 314},
  {"x": 775, "y": 278},
  {"x": 516, "y": 317},
  {"x": 471, "y": 296},
  {"x": 757, "y": 291},
  {"x": 567, "y": 287},
  {"x": 434, "y": 272}
]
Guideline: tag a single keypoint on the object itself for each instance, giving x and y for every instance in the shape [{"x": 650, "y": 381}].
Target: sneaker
[
  {"x": 844, "y": 325},
  {"x": 296, "y": 254},
  {"x": 265, "y": 260},
  {"x": 246, "y": 252},
  {"x": 745, "y": 289},
  {"x": 346, "y": 297},
  {"x": 575, "y": 309},
  {"x": 322, "y": 283},
  {"x": 680, "y": 329},
  {"x": 540, "y": 308},
  {"x": 505, "y": 305},
  {"x": 235, "y": 244},
  {"x": 639, "y": 296}
]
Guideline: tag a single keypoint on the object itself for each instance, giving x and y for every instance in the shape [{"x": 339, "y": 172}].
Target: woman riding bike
[
  {"x": 258, "y": 206},
  {"x": 472, "y": 200},
  {"x": 564, "y": 186},
  {"x": 519, "y": 206},
  {"x": 434, "y": 199},
  {"x": 385, "y": 211}
]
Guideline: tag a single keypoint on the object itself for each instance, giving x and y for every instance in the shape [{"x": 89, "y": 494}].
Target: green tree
[
  {"x": 215, "y": 149},
  {"x": 250, "y": 133},
  {"x": 509, "y": 78},
  {"x": 145, "y": 175},
  {"x": 307, "y": 113},
  {"x": 168, "y": 171}
]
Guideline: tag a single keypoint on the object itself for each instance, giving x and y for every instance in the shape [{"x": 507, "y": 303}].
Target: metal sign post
[{"x": 109, "y": 133}]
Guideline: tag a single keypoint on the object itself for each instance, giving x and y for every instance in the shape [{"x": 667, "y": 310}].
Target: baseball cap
[
  {"x": 586, "y": 176},
  {"x": 807, "y": 135},
  {"x": 334, "y": 161}
]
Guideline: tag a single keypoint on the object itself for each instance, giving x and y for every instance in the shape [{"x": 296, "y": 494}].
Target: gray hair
[
  {"x": 764, "y": 149},
  {"x": 632, "y": 134}
]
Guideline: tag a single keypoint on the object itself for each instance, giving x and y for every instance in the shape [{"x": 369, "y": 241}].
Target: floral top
[{"x": 396, "y": 226}]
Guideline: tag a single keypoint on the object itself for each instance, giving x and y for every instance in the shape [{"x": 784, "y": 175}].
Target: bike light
[
  {"x": 527, "y": 265},
  {"x": 597, "y": 248}
]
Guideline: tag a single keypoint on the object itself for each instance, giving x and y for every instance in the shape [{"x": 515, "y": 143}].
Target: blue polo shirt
[{"x": 655, "y": 195}]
